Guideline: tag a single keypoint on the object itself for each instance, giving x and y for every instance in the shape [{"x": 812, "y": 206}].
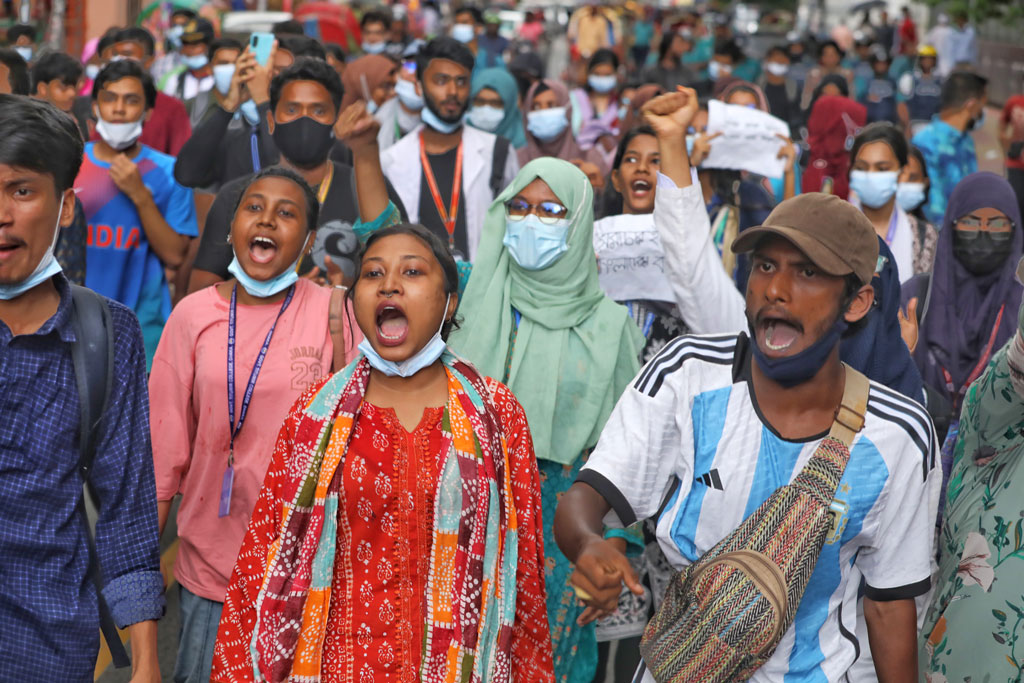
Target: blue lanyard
[
  {"x": 233, "y": 430},
  {"x": 254, "y": 148}
]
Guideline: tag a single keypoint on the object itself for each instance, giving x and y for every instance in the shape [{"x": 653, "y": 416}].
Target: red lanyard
[
  {"x": 978, "y": 369},
  {"x": 447, "y": 216}
]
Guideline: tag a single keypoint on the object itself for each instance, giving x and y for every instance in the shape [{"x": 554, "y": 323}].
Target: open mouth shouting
[
  {"x": 641, "y": 188},
  {"x": 262, "y": 249},
  {"x": 392, "y": 325},
  {"x": 778, "y": 332}
]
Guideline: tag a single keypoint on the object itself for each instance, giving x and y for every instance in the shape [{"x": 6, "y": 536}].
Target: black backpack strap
[
  {"x": 498, "y": 161},
  {"x": 92, "y": 354}
]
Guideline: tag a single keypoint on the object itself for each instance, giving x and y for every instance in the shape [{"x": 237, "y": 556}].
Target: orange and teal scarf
[{"x": 471, "y": 588}]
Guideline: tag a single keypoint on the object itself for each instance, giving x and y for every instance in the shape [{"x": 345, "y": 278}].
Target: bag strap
[
  {"x": 849, "y": 417},
  {"x": 92, "y": 355},
  {"x": 498, "y": 159}
]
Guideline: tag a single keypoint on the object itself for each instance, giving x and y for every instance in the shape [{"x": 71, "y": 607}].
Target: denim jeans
[{"x": 199, "y": 620}]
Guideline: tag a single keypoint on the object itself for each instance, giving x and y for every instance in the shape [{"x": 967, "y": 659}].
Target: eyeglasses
[
  {"x": 999, "y": 227},
  {"x": 548, "y": 213}
]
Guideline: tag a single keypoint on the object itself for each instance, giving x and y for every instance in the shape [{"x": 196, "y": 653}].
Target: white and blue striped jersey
[{"x": 687, "y": 438}]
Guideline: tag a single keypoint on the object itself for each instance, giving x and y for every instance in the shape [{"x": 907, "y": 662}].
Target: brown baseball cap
[{"x": 833, "y": 233}]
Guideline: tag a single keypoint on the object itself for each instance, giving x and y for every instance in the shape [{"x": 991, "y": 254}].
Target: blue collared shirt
[
  {"x": 949, "y": 157},
  {"x": 48, "y": 608}
]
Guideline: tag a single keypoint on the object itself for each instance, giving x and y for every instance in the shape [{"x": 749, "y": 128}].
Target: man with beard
[
  {"x": 461, "y": 169},
  {"x": 712, "y": 426},
  {"x": 304, "y": 102}
]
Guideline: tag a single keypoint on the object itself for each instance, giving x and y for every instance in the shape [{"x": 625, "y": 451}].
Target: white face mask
[
  {"x": 118, "y": 135},
  {"x": 776, "y": 68}
]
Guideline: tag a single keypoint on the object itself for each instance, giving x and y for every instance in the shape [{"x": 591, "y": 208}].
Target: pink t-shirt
[{"x": 189, "y": 414}]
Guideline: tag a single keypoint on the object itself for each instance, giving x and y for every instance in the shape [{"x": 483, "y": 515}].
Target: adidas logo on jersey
[{"x": 711, "y": 480}]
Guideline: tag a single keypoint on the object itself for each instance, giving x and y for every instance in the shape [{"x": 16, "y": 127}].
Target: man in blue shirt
[
  {"x": 49, "y": 614},
  {"x": 946, "y": 142},
  {"x": 962, "y": 41},
  {"x": 140, "y": 219}
]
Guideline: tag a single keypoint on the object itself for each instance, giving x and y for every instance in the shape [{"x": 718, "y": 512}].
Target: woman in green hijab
[
  {"x": 495, "y": 105},
  {"x": 536, "y": 317}
]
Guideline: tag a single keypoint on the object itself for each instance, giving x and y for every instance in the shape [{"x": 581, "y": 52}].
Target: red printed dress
[{"x": 375, "y": 623}]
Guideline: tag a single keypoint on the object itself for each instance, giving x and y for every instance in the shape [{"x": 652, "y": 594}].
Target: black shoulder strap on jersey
[
  {"x": 501, "y": 146},
  {"x": 92, "y": 354}
]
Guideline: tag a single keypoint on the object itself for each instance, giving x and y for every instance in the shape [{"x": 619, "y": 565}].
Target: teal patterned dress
[{"x": 974, "y": 629}]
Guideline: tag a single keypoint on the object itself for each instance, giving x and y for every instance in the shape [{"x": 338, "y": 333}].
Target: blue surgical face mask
[
  {"x": 790, "y": 371},
  {"x": 910, "y": 195},
  {"x": 266, "y": 288},
  {"x": 464, "y": 33},
  {"x": 196, "y": 62},
  {"x": 92, "y": 71},
  {"x": 976, "y": 123},
  {"x": 434, "y": 121},
  {"x": 547, "y": 124},
  {"x": 374, "y": 48},
  {"x": 689, "y": 144},
  {"x": 174, "y": 35},
  {"x": 874, "y": 188},
  {"x": 372, "y": 107},
  {"x": 486, "y": 118},
  {"x": 425, "y": 357},
  {"x": 250, "y": 112},
  {"x": 47, "y": 267},
  {"x": 222, "y": 75},
  {"x": 406, "y": 91},
  {"x": 535, "y": 245},
  {"x": 25, "y": 52},
  {"x": 716, "y": 70},
  {"x": 602, "y": 84}
]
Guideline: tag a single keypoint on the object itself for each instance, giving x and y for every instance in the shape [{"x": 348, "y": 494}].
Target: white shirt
[{"x": 691, "y": 416}]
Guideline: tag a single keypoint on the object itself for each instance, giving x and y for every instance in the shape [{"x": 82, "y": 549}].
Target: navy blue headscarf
[
  {"x": 963, "y": 307},
  {"x": 877, "y": 349}
]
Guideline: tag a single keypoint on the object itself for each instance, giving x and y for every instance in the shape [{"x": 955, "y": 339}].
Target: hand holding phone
[{"x": 260, "y": 44}]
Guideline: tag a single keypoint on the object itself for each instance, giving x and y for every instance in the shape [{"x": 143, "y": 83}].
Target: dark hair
[
  {"x": 308, "y": 69},
  {"x": 108, "y": 38},
  {"x": 376, "y": 16},
  {"x": 610, "y": 201},
  {"x": 603, "y": 56},
  {"x": 961, "y": 86},
  {"x": 881, "y": 131},
  {"x": 442, "y": 252},
  {"x": 852, "y": 285},
  {"x": 830, "y": 43},
  {"x": 729, "y": 48},
  {"x": 288, "y": 27},
  {"x": 125, "y": 68},
  {"x": 336, "y": 51},
  {"x": 628, "y": 138},
  {"x": 833, "y": 79},
  {"x": 478, "y": 16},
  {"x": 56, "y": 66},
  {"x": 778, "y": 50},
  {"x": 312, "y": 204},
  {"x": 913, "y": 151},
  {"x": 444, "y": 48},
  {"x": 41, "y": 138},
  {"x": 135, "y": 34},
  {"x": 184, "y": 12},
  {"x": 17, "y": 71},
  {"x": 222, "y": 44},
  {"x": 301, "y": 46},
  {"x": 19, "y": 30}
]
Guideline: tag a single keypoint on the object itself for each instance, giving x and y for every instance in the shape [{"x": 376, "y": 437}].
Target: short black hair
[
  {"x": 56, "y": 66},
  {"x": 851, "y": 286},
  {"x": 881, "y": 131},
  {"x": 125, "y": 68},
  {"x": 777, "y": 50},
  {"x": 312, "y": 203},
  {"x": 961, "y": 86},
  {"x": 729, "y": 48},
  {"x": 184, "y": 12},
  {"x": 222, "y": 44},
  {"x": 376, "y": 15},
  {"x": 288, "y": 27},
  {"x": 19, "y": 30},
  {"x": 335, "y": 51},
  {"x": 301, "y": 46},
  {"x": 444, "y": 48},
  {"x": 603, "y": 56},
  {"x": 830, "y": 43},
  {"x": 439, "y": 247},
  {"x": 17, "y": 71},
  {"x": 41, "y": 138},
  {"x": 108, "y": 38},
  {"x": 308, "y": 69},
  {"x": 137, "y": 34},
  {"x": 478, "y": 15}
]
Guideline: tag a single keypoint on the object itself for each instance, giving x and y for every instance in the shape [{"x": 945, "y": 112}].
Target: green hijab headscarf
[
  {"x": 501, "y": 81},
  {"x": 576, "y": 350}
]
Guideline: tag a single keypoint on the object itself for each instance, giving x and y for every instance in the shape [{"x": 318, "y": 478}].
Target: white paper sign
[
  {"x": 630, "y": 261},
  {"x": 748, "y": 141}
]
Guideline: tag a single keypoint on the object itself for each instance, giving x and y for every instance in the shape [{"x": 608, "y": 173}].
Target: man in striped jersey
[{"x": 712, "y": 426}]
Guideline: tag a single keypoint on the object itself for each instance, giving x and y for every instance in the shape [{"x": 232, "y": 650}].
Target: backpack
[
  {"x": 92, "y": 354},
  {"x": 723, "y": 616}
]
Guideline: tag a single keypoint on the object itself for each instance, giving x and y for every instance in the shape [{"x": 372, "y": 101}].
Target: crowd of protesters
[{"x": 502, "y": 348}]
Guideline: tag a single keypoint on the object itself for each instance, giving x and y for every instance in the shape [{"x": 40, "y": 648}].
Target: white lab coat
[{"x": 402, "y": 166}]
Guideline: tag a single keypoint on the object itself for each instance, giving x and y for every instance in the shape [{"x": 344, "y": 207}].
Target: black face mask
[
  {"x": 982, "y": 254},
  {"x": 304, "y": 142}
]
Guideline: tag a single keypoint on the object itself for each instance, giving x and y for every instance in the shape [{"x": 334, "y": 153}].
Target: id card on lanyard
[
  {"x": 448, "y": 215},
  {"x": 233, "y": 430}
]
